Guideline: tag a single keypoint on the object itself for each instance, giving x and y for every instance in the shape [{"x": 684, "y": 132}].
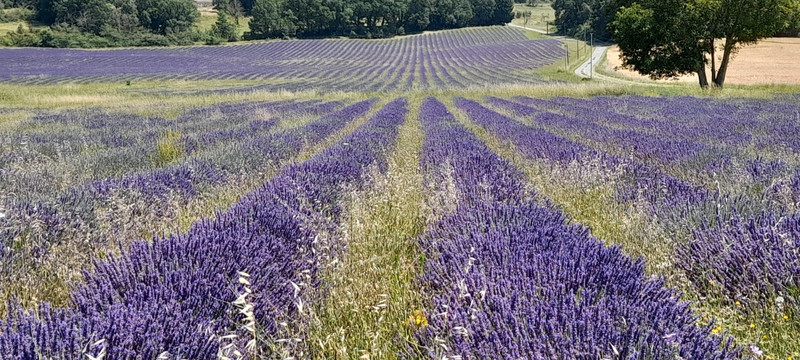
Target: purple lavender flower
[{"x": 511, "y": 279}]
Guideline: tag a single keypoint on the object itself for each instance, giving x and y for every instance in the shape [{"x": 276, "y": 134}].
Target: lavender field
[
  {"x": 448, "y": 59},
  {"x": 445, "y": 205}
]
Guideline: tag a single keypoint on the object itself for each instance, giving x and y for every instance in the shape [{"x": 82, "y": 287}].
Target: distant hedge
[{"x": 110, "y": 23}]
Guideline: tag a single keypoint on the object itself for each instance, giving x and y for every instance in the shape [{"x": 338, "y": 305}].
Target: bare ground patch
[{"x": 771, "y": 61}]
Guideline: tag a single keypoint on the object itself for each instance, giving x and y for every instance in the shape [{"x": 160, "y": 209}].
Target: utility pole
[
  {"x": 591, "y": 56},
  {"x": 578, "y": 47},
  {"x": 566, "y": 65}
]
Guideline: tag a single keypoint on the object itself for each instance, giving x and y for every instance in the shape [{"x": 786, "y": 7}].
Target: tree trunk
[
  {"x": 713, "y": 62},
  {"x": 701, "y": 75},
  {"x": 723, "y": 67}
]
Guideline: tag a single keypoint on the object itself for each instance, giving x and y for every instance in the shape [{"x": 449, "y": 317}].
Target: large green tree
[
  {"x": 483, "y": 11},
  {"x": 792, "y": 21},
  {"x": 167, "y": 16},
  {"x": 92, "y": 16},
  {"x": 224, "y": 28},
  {"x": 579, "y": 18},
  {"x": 503, "y": 12},
  {"x": 418, "y": 15},
  {"x": 268, "y": 20},
  {"x": 667, "y": 38},
  {"x": 451, "y": 14},
  {"x": 231, "y": 7},
  {"x": 314, "y": 17}
]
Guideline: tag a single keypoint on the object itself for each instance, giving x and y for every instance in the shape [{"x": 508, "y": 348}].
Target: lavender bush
[
  {"x": 510, "y": 279},
  {"x": 459, "y": 58},
  {"x": 176, "y": 297}
]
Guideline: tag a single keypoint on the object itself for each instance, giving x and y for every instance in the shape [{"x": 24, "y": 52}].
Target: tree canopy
[
  {"x": 666, "y": 38},
  {"x": 98, "y": 16},
  {"x": 101, "y": 23},
  {"x": 579, "y": 18}
]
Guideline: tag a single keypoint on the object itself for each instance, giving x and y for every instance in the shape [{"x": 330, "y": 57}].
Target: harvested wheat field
[{"x": 772, "y": 61}]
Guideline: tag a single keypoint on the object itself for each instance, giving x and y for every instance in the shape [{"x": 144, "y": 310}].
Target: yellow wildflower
[
  {"x": 785, "y": 317},
  {"x": 738, "y": 304},
  {"x": 418, "y": 319},
  {"x": 752, "y": 325}
]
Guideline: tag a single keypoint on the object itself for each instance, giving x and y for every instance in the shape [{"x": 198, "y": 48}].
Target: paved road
[
  {"x": 587, "y": 69},
  {"x": 584, "y": 70}
]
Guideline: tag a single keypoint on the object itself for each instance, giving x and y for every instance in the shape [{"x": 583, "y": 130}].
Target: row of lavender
[
  {"x": 96, "y": 144},
  {"x": 243, "y": 276},
  {"x": 47, "y": 224},
  {"x": 737, "y": 245},
  {"x": 510, "y": 278},
  {"x": 458, "y": 58},
  {"x": 702, "y": 139}
]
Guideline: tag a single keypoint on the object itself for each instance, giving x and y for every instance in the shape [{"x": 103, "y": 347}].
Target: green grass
[
  {"x": 17, "y": 17},
  {"x": 541, "y": 14},
  {"x": 533, "y": 35},
  {"x": 168, "y": 149},
  {"x": 562, "y": 70}
]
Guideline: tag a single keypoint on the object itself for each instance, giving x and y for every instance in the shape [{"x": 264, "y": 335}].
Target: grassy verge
[
  {"x": 371, "y": 286},
  {"x": 561, "y": 70},
  {"x": 139, "y": 97}
]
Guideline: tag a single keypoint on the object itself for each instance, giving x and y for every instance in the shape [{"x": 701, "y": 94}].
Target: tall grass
[{"x": 371, "y": 294}]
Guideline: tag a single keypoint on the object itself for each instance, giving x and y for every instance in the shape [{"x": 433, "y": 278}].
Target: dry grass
[
  {"x": 771, "y": 61},
  {"x": 11, "y": 119},
  {"x": 372, "y": 292},
  {"x": 8, "y": 27}
]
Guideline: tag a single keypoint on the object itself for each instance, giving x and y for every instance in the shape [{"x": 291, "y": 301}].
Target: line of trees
[
  {"x": 105, "y": 23},
  {"x": 370, "y": 18}
]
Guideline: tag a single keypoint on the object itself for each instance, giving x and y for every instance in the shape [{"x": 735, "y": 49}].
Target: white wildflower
[{"x": 755, "y": 350}]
